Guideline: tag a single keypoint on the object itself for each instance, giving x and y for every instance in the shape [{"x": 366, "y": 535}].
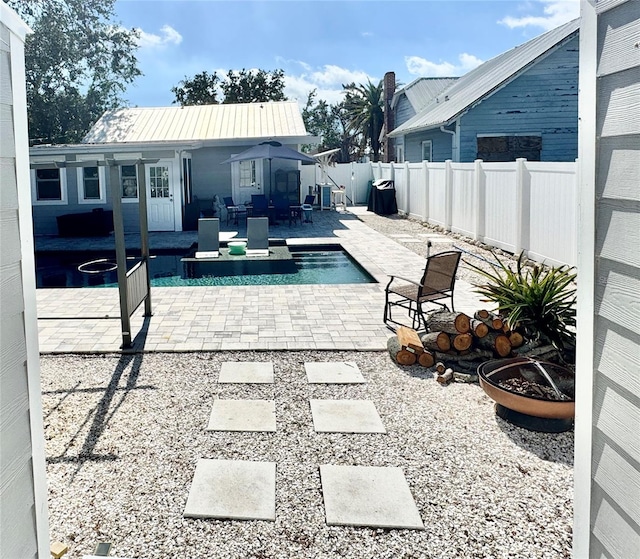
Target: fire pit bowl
[{"x": 536, "y": 395}]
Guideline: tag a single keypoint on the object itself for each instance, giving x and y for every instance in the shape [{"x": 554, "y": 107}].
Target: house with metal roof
[
  {"x": 183, "y": 150},
  {"x": 522, "y": 103}
]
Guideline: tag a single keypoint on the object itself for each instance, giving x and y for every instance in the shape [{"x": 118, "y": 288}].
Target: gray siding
[
  {"x": 543, "y": 100},
  {"x": 615, "y": 495},
  {"x": 18, "y": 537}
]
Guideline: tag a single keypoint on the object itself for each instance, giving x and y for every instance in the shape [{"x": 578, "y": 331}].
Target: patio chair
[
  {"x": 208, "y": 237},
  {"x": 282, "y": 209},
  {"x": 437, "y": 283},
  {"x": 233, "y": 210},
  {"x": 257, "y": 236},
  {"x": 259, "y": 205}
]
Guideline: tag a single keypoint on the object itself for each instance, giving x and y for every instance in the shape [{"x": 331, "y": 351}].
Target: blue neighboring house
[{"x": 522, "y": 103}]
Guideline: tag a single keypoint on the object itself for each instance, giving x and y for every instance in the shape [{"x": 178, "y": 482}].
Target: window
[
  {"x": 159, "y": 182},
  {"x": 247, "y": 174},
  {"x": 129, "y": 179},
  {"x": 49, "y": 186},
  {"x": 509, "y": 148},
  {"x": 91, "y": 185},
  {"x": 427, "y": 150}
]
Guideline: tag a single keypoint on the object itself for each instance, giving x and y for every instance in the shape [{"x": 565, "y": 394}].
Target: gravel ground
[{"x": 124, "y": 433}]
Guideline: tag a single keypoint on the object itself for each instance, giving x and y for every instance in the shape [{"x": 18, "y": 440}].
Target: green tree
[
  {"x": 364, "y": 108},
  {"x": 330, "y": 123},
  {"x": 253, "y": 86},
  {"x": 245, "y": 86},
  {"x": 202, "y": 89},
  {"x": 79, "y": 62}
]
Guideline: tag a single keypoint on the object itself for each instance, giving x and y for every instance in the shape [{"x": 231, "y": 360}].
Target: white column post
[{"x": 425, "y": 175}]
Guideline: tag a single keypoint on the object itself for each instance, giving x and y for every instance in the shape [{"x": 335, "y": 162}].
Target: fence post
[
  {"x": 523, "y": 200},
  {"x": 479, "y": 200},
  {"x": 425, "y": 174},
  {"x": 448, "y": 195},
  {"x": 407, "y": 189}
]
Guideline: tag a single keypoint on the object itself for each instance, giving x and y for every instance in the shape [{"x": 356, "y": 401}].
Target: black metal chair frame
[
  {"x": 412, "y": 295},
  {"x": 233, "y": 210}
]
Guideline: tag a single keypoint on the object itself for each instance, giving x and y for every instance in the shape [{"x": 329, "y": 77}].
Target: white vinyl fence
[
  {"x": 521, "y": 205},
  {"x": 515, "y": 206},
  {"x": 354, "y": 177}
]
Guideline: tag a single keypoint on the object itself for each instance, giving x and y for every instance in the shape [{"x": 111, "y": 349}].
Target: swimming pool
[{"x": 307, "y": 265}]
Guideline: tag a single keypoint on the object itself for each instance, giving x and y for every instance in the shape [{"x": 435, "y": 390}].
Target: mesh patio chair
[
  {"x": 282, "y": 209},
  {"x": 233, "y": 210},
  {"x": 259, "y": 205},
  {"x": 437, "y": 283},
  {"x": 307, "y": 207}
]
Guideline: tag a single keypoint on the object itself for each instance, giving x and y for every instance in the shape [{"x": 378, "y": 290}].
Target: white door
[
  {"x": 246, "y": 179},
  {"x": 160, "y": 210}
]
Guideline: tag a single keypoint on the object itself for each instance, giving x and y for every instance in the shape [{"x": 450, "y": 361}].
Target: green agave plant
[{"x": 541, "y": 300}]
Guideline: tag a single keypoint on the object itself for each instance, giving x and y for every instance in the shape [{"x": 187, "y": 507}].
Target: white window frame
[
  {"x": 63, "y": 201},
  {"x": 129, "y": 200},
  {"x": 424, "y": 144},
  {"x": 101, "y": 185},
  {"x": 244, "y": 174}
]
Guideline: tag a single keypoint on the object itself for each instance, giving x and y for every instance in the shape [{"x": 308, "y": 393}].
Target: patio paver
[
  {"x": 233, "y": 489},
  {"x": 346, "y": 416},
  {"x": 370, "y": 496},
  {"x": 246, "y": 372},
  {"x": 242, "y": 415},
  {"x": 333, "y": 372}
]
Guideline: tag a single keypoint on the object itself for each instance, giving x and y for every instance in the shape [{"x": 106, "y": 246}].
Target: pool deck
[{"x": 291, "y": 317}]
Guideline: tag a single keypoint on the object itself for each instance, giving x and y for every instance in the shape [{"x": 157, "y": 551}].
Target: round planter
[
  {"x": 536, "y": 413},
  {"x": 237, "y": 248}
]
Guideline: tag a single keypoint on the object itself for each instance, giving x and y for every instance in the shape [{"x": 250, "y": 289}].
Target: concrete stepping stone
[
  {"x": 368, "y": 496},
  {"x": 232, "y": 489},
  {"x": 246, "y": 372},
  {"x": 345, "y": 416},
  {"x": 333, "y": 372},
  {"x": 242, "y": 415}
]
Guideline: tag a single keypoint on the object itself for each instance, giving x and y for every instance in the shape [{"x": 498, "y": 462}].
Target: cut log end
[{"x": 405, "y": 357}]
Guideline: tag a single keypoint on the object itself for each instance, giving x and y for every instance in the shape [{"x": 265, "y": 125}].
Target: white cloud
[
  {"x": 326, "y": 80},
  {"x": 555, "y": 13},
  {"x": 168, "y": 36},
  {"x": 422, "y": 67}
]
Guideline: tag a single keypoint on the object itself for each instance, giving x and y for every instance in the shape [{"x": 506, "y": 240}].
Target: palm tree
[{"x": 364, "y": 108}]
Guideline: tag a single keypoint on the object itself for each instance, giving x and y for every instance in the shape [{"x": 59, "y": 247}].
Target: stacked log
[
  {"x": 459, "y": 343},
  {"x": 407, "y": 348}
]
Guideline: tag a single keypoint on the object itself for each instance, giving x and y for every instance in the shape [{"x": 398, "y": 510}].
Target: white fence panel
[
  {"x": 400, "y": 183},
  {"x": 354, "y": 177},
  {"x": 437, "y": 194},
  {"x": 417, "y": 191},
  {"x": 463, "y": 201},
  {"x": 552, "y": 213},
  {"x": 500, "y": 215}
]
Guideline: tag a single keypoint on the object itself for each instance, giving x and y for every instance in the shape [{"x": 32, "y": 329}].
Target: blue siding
[
  {"x": 403, "y": 111},
  {"x": 441, "y": 145},
  {"x": 543, "y": 100}
]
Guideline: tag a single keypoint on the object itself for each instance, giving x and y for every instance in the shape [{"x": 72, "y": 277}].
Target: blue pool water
[{"x": 167, "y": 269}]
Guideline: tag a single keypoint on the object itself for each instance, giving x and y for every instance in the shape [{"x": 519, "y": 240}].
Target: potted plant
[{"x": 540, "y": 301}]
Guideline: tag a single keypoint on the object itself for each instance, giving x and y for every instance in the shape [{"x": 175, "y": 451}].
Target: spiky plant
[{"x": 541, "y": 300}]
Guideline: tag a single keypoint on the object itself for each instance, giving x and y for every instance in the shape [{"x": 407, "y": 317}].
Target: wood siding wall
[
  {"x": 403, "y": 111},
  {"x": 615, "y": 494},
  {"x": 18, "y": 536},
  {"x": 543, "y": 100}
]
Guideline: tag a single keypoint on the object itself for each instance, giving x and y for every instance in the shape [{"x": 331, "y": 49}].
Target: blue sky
[{"x": 324, "y": 44}]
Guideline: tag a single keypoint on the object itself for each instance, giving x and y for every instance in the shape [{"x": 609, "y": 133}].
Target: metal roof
[
  {"x": 484, "y": 80},
  {"x": 199, "y": 123},
  {"x": 420, "y": 92}
]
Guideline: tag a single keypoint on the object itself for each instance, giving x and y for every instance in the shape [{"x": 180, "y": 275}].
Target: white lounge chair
[
  {"x": 258, "y": 236},
  {"x": 208, "y": 238}
]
